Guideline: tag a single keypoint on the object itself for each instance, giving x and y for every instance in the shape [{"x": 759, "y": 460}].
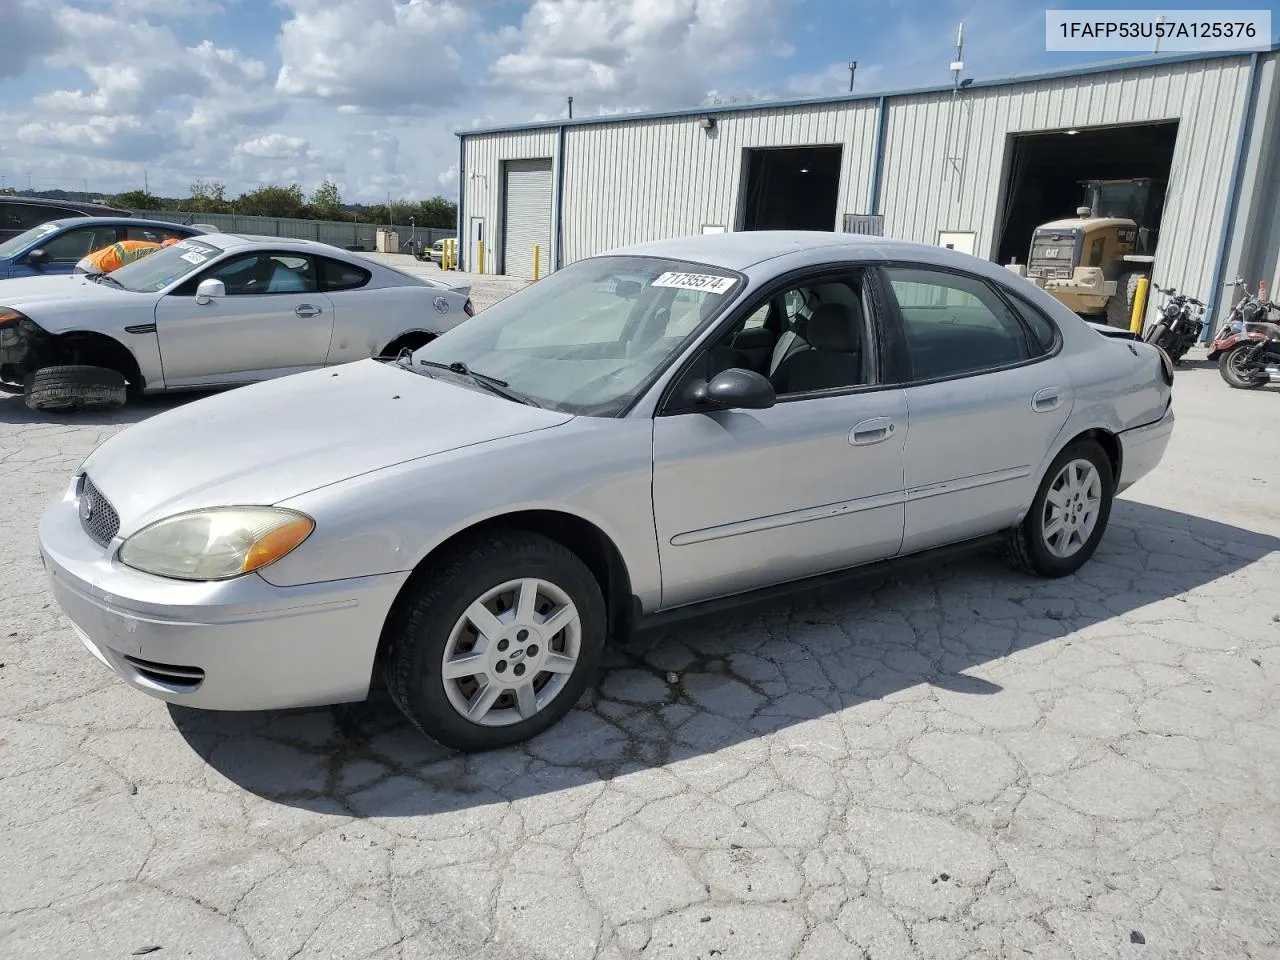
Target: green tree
[
  {"x": 272, "y": 202},
  {"x": 326, "y": 202},
  {"x": 208, "y": 196},
  {"x": 136, "y": 200},
  {"x": 437, "y": 212}
]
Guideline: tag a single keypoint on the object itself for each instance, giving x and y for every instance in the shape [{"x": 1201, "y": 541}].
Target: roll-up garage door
[{"x": 526, "y": 217}]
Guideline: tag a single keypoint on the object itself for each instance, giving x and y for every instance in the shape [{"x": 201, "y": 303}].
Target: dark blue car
[{"x": 57, "y": 246}]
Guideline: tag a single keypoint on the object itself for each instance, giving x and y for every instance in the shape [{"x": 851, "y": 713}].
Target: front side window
[
  {"x": 71, "y": 245},
  {"x": 954, "y": 324},
  {"x": 264, "y": 273},
  {"x": 588, "y": 338}
]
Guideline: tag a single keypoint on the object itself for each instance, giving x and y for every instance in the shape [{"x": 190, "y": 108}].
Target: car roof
[
  {"x": 121, "y": 221},
  {"x": 744, "y": 249},
  {"x": 228, "y": 241},
  {"x": 86, "y": 207}
]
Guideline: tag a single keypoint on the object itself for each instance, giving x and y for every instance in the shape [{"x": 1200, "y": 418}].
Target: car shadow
[
  {"x": 677, "y": 697},
  {"x": 14, "y": 410}
]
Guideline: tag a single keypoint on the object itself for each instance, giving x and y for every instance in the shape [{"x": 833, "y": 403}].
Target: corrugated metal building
[{"x": 974, "y": 167}]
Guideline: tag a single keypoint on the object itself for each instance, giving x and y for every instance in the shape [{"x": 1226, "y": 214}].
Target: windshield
[
  {"x": 15, "y": 245},
  {"x": 587, "y": 339},
  {"x": 153, "y": 273}
]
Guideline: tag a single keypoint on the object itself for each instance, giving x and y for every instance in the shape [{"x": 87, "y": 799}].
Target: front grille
[
  {"x": 168, "y": 674},
  {"x": 97, "y": 516}
]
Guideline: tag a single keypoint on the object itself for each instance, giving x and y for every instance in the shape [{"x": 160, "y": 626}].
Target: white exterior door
[{"x": 526, "y": 216}]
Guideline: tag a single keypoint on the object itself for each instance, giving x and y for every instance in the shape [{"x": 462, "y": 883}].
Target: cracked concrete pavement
[{"x": 959, "y": 762}]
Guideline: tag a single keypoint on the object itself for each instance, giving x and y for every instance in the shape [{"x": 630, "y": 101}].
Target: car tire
[
  {"x": 65, "y": 389},
  {"x": 433, "y": 622},
  {"x": 1120, "y": 307},
  {"x": 1060, "y": 546},
  {"x": 1229, "y": 366}
]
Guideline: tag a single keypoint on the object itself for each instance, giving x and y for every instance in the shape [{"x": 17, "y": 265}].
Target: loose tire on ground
[
  {"x": 1229, "y": 367},
  {"x": 418, "y": 634},
  {"x": 1025, "y": 545},
  {"x": 65, "y": 389},
  {"x": 1120, "y": 307}
]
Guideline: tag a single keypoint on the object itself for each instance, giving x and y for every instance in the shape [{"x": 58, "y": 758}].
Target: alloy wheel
[
  {"x": 512, "y": 652},
  {"x": 1071, "y": 508}
]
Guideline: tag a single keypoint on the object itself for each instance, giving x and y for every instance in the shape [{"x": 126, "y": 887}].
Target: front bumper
[
  {"x": 233, "y": 645},
  {"x": 1142, "y": 449}
]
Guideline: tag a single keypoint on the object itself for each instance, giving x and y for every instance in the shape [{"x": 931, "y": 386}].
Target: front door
[
  {"x": 272, "y": 321},
  {"x": 986, "y": 400},
  {"x": 748, "y": 498}
]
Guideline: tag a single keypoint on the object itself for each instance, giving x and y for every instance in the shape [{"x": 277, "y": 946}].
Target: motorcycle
[
  {"x": 1179, "y": 325},
  {"x": 1247, "y": 345}
]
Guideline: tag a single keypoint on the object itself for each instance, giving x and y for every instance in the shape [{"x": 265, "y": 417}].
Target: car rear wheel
[
  {"x": 1235, "y": 368},
  {"x": 1068, "y": 516},
  {"x": 498, "y": 642},
  {"x": 64, "y": 389}
]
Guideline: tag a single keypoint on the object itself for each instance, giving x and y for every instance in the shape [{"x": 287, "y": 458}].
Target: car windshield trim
[
  {"x": 169, "y": 265},
  {"x": 590, "y": 338}
]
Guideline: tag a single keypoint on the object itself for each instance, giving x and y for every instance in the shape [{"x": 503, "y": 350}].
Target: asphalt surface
[{"x": 960, "y": 762}]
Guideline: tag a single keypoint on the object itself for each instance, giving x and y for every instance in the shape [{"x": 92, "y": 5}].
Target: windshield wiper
[
  {"x": 492, "y": 384},
  {"x": 105, "y": 278}
]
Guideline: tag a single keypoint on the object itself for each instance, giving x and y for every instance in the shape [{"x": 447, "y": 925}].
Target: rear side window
[
  {"x": 154, "y": 234},
  {"x": 954, "y": 323},
  {"x": 335, "y": 275},
  {"x": 24, "y": 216},
  {"x": 1042, "y": 328}
]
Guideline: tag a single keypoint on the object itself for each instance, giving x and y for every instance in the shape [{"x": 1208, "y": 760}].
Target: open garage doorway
[
  {"x": 791, "y": 188},
  {"x": 1044, "y": 173}
]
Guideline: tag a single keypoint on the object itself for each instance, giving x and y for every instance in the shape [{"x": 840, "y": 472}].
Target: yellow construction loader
[{"x": 1092, "y": 262}]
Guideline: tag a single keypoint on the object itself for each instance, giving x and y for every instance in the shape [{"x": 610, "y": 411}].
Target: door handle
[
  {"x": 307, "y": 310},
  {"x": 1050, "y": 398},
  {"x": 871, "y": 431}
]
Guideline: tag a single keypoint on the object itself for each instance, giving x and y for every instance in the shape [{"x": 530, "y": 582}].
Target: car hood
[
  {"x": 22, "y": 292},
  {"x": 266, "y": 443}
]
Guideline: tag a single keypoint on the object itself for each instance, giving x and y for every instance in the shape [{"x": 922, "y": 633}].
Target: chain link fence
[{"x": 346, "y": 234}]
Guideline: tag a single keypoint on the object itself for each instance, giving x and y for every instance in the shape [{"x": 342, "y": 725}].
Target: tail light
[{"x": 468, "y": 309}]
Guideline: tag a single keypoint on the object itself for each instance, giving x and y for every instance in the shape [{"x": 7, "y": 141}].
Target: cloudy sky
[{"x": 370, "y": 92}]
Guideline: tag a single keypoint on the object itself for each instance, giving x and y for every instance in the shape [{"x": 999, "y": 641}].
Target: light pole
[
  {"x": 853, "y": 68},
  {"x": 413, "y": 233}
]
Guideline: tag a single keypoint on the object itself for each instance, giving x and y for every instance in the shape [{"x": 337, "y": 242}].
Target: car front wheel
[
  {"x": 1068, "y": 516},
  {"x": 498, "y": 642}
]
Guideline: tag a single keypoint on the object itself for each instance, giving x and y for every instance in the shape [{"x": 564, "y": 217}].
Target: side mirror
[
  {"x": 736, "y": 389},
  {"x": 38, "y": 257},
  {"x": 210, "y": 290}
]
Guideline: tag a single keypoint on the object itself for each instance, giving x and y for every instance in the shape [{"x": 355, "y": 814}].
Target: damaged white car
[{"x": 211, "y": 312}]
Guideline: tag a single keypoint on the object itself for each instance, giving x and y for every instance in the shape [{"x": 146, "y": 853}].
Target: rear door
[
  {"x": 273, "y": 321},
  {"x": 986, "y": 397}
]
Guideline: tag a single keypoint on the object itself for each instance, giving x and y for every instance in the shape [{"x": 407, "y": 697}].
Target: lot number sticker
[
  {"x": 195, "y": 258},
  {"x": 695, "y": 281}
]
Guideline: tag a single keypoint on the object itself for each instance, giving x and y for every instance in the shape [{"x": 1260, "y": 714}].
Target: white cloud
[
  {"x": 637, "y": 53},
  {"x": 379, "y": 54},
  {"x": 275, "y": 146}
]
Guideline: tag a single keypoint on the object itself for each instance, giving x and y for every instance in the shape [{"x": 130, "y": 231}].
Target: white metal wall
[
  {"x": 481, "y": 186},
  {"x": 924, "y": 191},
  {"x": 630, "y": 182},
  {"x": 526, "y": 216}
]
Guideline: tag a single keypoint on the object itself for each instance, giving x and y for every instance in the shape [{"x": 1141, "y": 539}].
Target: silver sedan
[{"x": 639, "y": 435}]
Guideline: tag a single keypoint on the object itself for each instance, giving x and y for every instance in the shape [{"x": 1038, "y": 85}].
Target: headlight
[
  {"x": 9, "y": 315},
  {"x": 216, "y": 544}
]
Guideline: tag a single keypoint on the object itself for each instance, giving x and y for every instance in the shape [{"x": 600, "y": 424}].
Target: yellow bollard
[
  {"x": 447, "y": 259},
  {"x": 537, "y": 253},
  {"x": 1139, "y": 305},
  {"x": 480, "y": 256}
]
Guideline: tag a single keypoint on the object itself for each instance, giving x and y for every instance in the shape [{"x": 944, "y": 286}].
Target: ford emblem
[{"x": 441, "y": 304}]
